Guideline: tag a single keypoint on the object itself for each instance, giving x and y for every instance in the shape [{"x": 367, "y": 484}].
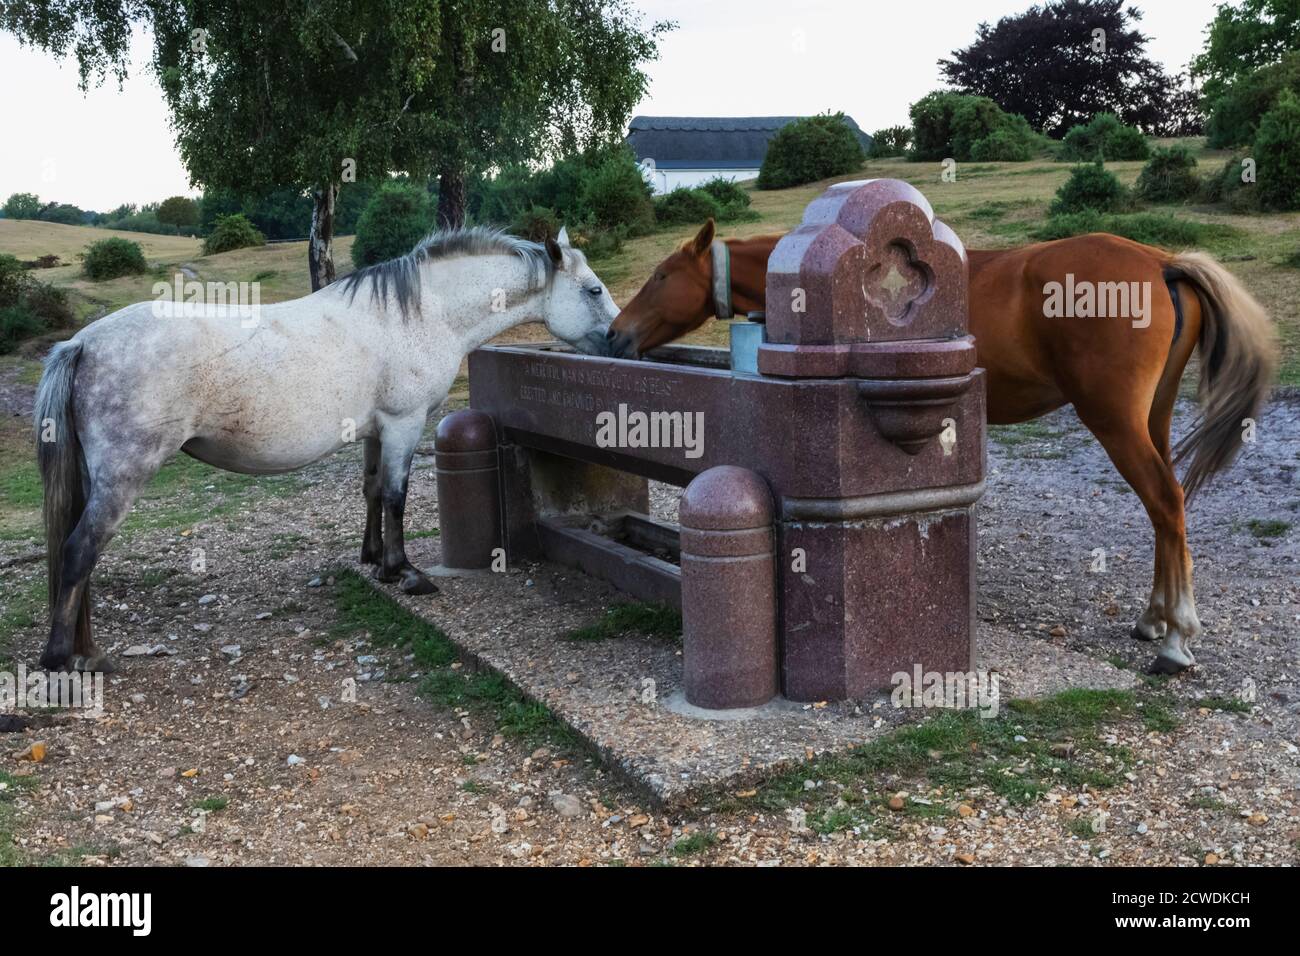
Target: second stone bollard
[
  {"x": 469, "y": 517},
  {"x": 728, "y": 590}
]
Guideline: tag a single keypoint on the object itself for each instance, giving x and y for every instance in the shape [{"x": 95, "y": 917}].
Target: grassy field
[{"x": 990, "y": 205}]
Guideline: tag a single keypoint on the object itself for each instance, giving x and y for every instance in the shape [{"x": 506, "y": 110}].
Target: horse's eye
[
  {"x": 596, "y": 290},
  {"x": 659, "y": 277}
]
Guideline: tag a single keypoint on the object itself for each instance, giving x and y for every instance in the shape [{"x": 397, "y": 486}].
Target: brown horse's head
[{"x": 677, "y": 299}]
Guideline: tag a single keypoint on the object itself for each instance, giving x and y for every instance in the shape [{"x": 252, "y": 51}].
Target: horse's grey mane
[{"x": 399, "y": 278}]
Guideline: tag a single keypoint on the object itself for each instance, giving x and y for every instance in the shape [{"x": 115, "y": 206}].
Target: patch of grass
[
  {"x": 1158, "y": 715},
  {"x": 1230, "y": 704},
  {"x": 1011, "y": 754},
  {"x": 361, "y": 609},
  {"x": 212, "y": 804},
  {"x": 473, "y": 786},
  {"x": 10, "y": 786},
  {"x": 652, "y": 620},
  {"x": 1266, "y": 528},
  {"x": 1082, "y": 828},
  {"x": 1202, "y": 802},
  {"x": 20, "y": 610},
  {"x": 697, "y": 842}
]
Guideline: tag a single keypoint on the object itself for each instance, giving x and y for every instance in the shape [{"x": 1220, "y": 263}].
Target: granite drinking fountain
[{"x": 827, "y": 536}]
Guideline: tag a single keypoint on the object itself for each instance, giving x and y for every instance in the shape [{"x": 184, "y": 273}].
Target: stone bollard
[
  {"x": 468, "y": 497},
  {"x": 728, "y": 590}
]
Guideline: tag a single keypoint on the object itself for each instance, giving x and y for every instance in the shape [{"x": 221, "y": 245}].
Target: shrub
[
  {"x": 1153, "y": 229},
  {"x": 111, "y": 258},
  {"x": 536, "y": 223},
  {"x": 63, "y": 213},
  {"x": 1277, "y": 153},
  {"x": 1106, "y": 137},
  {"x": 949, "y": 125},
  {"x": 1169, "y": 176},
  {"x": 397, "y": 217},
  {"x": 616, "y": 194},
  {"x": 1002, "y": 146},
  {"x": 142, "y": 222},
  {"x": 726, "y": 192},
  {"x": 17, "y": 323},
  {"x": 22, "y": 206},
  {"x": 890, "y": 141},
  {"x": 1227, "y": 186},
  {"x": 1090, "y": 186},
  {"x": 27, "y": 307},
  {"x": 232, "y": 232},
  {"x": 810, "y": 149},
  {"x": 686, "y": 206}
]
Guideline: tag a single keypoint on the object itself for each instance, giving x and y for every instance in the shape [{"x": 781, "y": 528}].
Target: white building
[{"x": 684, "y": 151}]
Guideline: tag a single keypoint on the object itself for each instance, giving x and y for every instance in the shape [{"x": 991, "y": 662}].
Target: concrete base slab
[{"x": 624, "y": 694}]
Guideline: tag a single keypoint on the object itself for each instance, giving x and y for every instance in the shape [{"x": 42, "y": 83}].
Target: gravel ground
[{"x": 213, "y": 756}]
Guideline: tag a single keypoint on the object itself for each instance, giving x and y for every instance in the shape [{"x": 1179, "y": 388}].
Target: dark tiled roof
[{"x": 711, "y": 142}]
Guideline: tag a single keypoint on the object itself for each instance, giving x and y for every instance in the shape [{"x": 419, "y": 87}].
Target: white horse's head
[{"x": 578, "y": 307}]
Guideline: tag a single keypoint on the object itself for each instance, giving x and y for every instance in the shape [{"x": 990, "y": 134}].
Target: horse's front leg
[
  {"x": 372, "y": 545},
  {"x": 398, "y": 441}
]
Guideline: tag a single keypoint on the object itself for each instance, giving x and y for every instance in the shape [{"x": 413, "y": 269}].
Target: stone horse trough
[{"x": 827, "y": 529}]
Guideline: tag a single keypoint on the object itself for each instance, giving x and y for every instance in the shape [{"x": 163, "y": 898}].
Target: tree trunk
[
  {"x": 320, "y": 244},
  {"x": 451, "y": 197}
]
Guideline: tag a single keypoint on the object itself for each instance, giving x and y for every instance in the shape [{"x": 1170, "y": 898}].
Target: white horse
[{"x": 365, "y": 358}]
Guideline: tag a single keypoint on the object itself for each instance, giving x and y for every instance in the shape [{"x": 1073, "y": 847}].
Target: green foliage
[
  {"x": 232, "y": 232},
  {"x": 1235, "y": 113},
  {"x": 1106, "y": 137},
  {"x": 686, "y": 207},
  {"x": 1039, "y": 64},
  {"x": 890, "y": 141},
  {"x": 22, "y": 206},
  {"x": 63, "y": 213},
  {"x": 536, "y": 223},
  {"x": 1153, "y": 229},
  {"x": 809, "y": 149},
  {"x": 111, "y": 258},
  {"x": 615, "y": 193},
  {"x": 1242, "y": 38},
  {"x": 1169, "y": 176},
  {"x": 1277, "y": 152},
  {"x": 142, "y": 222},
  {"x": 1228, "y": 186},
  {"x": 27, "y": 307},
  {"x": 950, "y": 125},
  {"x": 1090, "y": 186},
  {"x": 1002, "y": 146},
  {"x": 178, "y": 211},
  {"x": 397, "y": 217},
  {"x": 726, "y": 192}
]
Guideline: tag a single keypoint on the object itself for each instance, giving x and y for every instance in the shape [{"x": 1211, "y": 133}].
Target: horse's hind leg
[
  {"x": 1130, "y": 447},
  {"x": 398, "y": 440},
  {"x": 70, "y": 620},
  {"x": 372, "y": 545}
]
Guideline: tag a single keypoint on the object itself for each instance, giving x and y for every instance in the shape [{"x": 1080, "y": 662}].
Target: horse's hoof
[
  {"x": 97, "y": 663},
  {"x": 1168, "y": 666},
  {"x": 417, "y": 583},
  {"x": 52, "y": 661}
]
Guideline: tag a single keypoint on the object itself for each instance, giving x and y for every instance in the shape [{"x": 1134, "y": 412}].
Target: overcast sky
[{"x": 726, "y": 58}]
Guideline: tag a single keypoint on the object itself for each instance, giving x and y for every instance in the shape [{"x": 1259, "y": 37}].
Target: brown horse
[{"x": 1121, "y": 376}]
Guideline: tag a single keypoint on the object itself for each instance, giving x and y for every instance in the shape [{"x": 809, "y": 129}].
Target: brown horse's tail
[{"x": 1238, "y": 347}]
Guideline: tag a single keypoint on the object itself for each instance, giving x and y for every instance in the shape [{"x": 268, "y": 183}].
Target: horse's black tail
[{"x": 59, "y": 456}]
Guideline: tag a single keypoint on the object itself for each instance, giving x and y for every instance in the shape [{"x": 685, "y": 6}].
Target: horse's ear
[
  {"x": 703, "y": 238},
  {"x": 555, "y": 252},
  {"x": 563, "y": 237}
]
